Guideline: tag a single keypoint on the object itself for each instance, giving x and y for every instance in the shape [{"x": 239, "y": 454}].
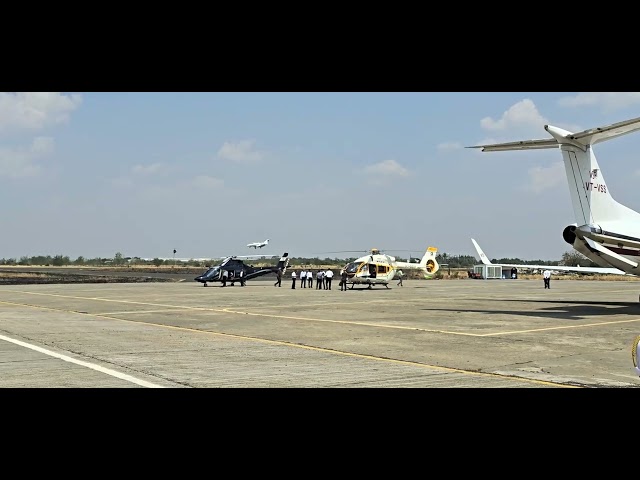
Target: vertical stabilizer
[
  {"x": 592, "y": 202},
  {"x": 591, "y": 199},
  {"x": 283, "y": 263},
  {"x": 429, "y": 262},
  {"x": 483, "y": 257}
]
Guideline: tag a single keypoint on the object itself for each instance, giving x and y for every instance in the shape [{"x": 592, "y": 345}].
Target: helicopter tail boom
[{"x": 428, "y": 263}]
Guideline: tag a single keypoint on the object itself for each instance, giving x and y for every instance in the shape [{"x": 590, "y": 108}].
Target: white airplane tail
[
  {"x": 592, "y": 202},
  {"x": 483, "y": 257},
  {"x": 599, "y": 218}
]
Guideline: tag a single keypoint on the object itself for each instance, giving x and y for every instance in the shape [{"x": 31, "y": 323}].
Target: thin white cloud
[
  {"x": 522, "y": 115},
  {"x": 448, "y": 146},
  {"x": 387, "y": 168},
  {"x": 543, "y": 178},
  {"x": 606, "y": 100},
  {"x": 122, "y": 182},
  {"x": 35, "y": 110},
  {"x": 15, "y": 163},
  {"x": 180, "y": 187},
  {"x": 241, "y": 152},
  {"x": 138, "y": 171},
  {"x": 205, "y": 181},
  {"x": 42, "y": 146},
  {"x": 154, "y": 168}
]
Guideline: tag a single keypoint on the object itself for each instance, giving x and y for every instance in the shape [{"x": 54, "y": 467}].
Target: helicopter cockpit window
[
  {"x": 214, "y": 271},
  {"x": 352, "y": 267}
]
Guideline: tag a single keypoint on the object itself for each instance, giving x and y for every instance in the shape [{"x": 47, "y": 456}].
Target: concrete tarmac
[{"x": 445, "y": 334}]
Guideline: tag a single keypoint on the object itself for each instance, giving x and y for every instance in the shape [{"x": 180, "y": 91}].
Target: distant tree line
[{"x": 571, "y": 259}]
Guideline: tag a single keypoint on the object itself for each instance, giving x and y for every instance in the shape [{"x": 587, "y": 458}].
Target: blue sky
[{"x": 140, "y": 173}]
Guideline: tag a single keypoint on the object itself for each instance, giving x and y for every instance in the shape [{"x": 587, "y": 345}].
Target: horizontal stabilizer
[
  {"x": 600, "y": 134},
  {"x": 584, "y": 138},
  {"x": 521, "y": 145}
]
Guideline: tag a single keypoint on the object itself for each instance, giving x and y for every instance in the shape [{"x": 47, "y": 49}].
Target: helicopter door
[{"x": 372, "y": 270}]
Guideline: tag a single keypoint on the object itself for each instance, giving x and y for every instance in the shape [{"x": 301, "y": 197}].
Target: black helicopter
[{"x": 233, "y": 269}]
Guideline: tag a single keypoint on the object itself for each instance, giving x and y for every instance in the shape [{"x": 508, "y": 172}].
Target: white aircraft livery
[
  {"x": 605, "y": 231},
  {"x": 258, "y": 244}
]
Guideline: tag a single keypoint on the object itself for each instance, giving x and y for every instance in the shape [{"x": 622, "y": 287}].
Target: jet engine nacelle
[{"x": 569, "y": 234}]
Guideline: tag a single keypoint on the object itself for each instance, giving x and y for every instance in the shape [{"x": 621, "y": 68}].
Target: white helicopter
[{"x": 377, "y": 268}]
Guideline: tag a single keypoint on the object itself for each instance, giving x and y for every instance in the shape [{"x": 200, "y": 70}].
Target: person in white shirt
[
  {"x": 303, "y": 279},
  {"x": 310, "y": 278},
  {"x": 319, "y": 280},
  {"x": 547, "y": 278},
  {"x": 328, "y": 276},
  {"x": 293, "y": 279}
]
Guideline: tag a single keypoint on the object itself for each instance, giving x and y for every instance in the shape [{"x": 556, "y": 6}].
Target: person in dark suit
[
  {"x": 343, "y": 280},
  {"x": 279, "y": 278}
]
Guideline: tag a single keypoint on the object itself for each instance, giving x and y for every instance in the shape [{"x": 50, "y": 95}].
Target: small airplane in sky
[
  {"x": 379, "y": 269},
  {"x": 605, "y": 231},
  {"x": 258, "y": 244},
  {"x": 233, "y": 269}
]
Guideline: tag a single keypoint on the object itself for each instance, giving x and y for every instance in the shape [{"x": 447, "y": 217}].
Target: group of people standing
[{"x": 323, "y": 279}]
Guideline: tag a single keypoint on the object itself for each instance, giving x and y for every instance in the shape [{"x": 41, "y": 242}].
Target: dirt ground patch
[
  {"x": 16, "y": 275},
  {"x": 27, "y": 278}
]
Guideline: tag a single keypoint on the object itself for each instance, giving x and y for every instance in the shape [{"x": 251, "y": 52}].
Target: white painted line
[{"x": 93, "y": 366}]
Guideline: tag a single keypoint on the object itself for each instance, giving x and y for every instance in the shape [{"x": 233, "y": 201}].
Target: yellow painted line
[
  {"x": 307, "y": 347},
  {"x": 195, "y": 308},
  {"x": 566, "y": 327},
  {"x": 228, "y": 310},
  {"x": 138, "y": 311},
  {"x": 345, "y": 322},
  {"x": 115, "y": 301},
  {"x": 324, "y": 304}
]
